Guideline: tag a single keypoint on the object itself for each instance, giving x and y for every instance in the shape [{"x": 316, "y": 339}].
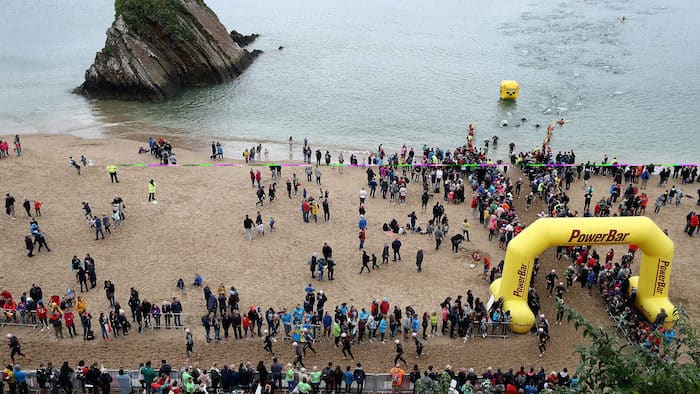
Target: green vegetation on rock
[{"x": 141, "y": 15}]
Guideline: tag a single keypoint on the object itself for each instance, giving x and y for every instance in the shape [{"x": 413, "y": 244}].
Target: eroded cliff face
[{"x": 155, "y": 48}]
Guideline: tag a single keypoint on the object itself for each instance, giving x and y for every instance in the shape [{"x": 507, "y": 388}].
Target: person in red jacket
[
  {"x": 384, "y": 307},
  {"x": 363, "y": 236},
  {"x": 41, "y": 314},
  {"x": 693, "y": 223},
  {"x": 55, "y": 319},
  {"x": 305, "y": 209},
  {"x": 69, "y": 319}
]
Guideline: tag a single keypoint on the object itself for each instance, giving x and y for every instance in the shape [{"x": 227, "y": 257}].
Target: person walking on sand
[
  {"x": 298, "y": 357},
  {"x": 419, "y": 259},
  {"x": 248, "y": 226},
  {"x": 189, "y": 342},
  {"x": 73, "y": 163},
  {"x": 438, "y": 237},
  {"x": 151, "y": 191},
  {"x": 40, "y": 238},
  {"x": 365, "y": 262},
  {"x": 465, "y": 229},
  {"x": 317, "y": 173},
  {"x": 396, "y": 247},
  {"x": 98, "y": 229},
  {"x": 106, "y": 224},
  {"x": 29, "y": 244},
  {"x": 10, "y": 205},
  {"x": 326, "y": 210},
  {"x": 18, "y": 146},
  {"x": 27, "y": 207}
]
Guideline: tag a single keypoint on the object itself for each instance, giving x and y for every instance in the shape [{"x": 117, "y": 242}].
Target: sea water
[{"x": 353, "y": 74}]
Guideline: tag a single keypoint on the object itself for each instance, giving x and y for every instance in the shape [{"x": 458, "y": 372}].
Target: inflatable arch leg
[{"x": 654, "y": 274}]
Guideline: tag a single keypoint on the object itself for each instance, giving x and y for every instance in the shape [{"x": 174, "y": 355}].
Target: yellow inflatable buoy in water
[{"x": 509, "y": 90}]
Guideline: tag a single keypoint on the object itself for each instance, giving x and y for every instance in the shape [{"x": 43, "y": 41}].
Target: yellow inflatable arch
[{"x": 654, "y": 272}]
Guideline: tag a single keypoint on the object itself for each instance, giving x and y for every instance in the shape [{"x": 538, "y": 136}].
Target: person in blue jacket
[
  {"x": 287, "y": 322},
  {"x": 21, "y": 379},
  {"x": 382, "y": 329},
  {"x": 348, "y": 378}
]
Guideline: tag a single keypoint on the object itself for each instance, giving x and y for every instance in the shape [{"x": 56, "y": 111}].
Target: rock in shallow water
[{"x": 155, "y": 48}]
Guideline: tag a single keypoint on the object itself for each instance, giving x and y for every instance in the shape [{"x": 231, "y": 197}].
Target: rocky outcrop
[
  {"x": 242, "y": 40},
  {"x": 155, "y": 48}
]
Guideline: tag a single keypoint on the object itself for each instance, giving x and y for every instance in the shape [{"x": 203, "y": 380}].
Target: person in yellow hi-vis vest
[
  {"x": 112, "y": 169},
  {"x": 151, "y": 191}
]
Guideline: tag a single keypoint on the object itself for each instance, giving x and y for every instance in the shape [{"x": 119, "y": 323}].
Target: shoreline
[
  {"x": 123, "y": 128},
  {"x": 279, "y": 152}
]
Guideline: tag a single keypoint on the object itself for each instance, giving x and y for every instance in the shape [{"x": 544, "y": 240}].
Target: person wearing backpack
[
  {"x": 215, "y": 377},
  {"x": 104, "y": 381},
  {"x": 42, "y": 378},
  {"x": 327, "y": 377},
  {"x": 359, "y": 375}
]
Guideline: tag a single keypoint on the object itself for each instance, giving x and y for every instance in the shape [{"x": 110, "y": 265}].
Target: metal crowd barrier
[{"x": 374, "y": 383}]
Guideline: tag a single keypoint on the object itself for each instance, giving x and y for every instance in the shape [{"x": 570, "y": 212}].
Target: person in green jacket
[
  {"x": 304, "y": 387},
  {"x": 189, "y": 385},
  {"x": 315, "y": 377},
  {"x": 151, "y": 191},
  {"x": 186, "y": 376},
  {"x": 148, "y": 375},
  {"x": 336, "y": 333},
  {"x": 289, "y": 377}
]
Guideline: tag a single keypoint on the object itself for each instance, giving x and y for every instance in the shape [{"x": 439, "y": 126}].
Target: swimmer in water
[{"x": 561, "y": 121}]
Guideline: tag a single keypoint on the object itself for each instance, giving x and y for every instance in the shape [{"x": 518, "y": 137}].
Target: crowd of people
[
  {"x": 494, "y": 202},
  {"x": 5, "y": 148},
  {"x": 57, "y": 312},
  {"x": 161, "y": 149},
  {"x": 102, "y": 224},
  {"x": 278, "y": 377}
]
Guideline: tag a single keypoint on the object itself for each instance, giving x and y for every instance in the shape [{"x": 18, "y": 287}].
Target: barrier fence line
[
  {"x": 374, "y": 383},
  {"x": 476, "y": 328}
]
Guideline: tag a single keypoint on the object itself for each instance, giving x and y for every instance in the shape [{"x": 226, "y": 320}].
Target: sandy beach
[{"x": 196, "y": 227}]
